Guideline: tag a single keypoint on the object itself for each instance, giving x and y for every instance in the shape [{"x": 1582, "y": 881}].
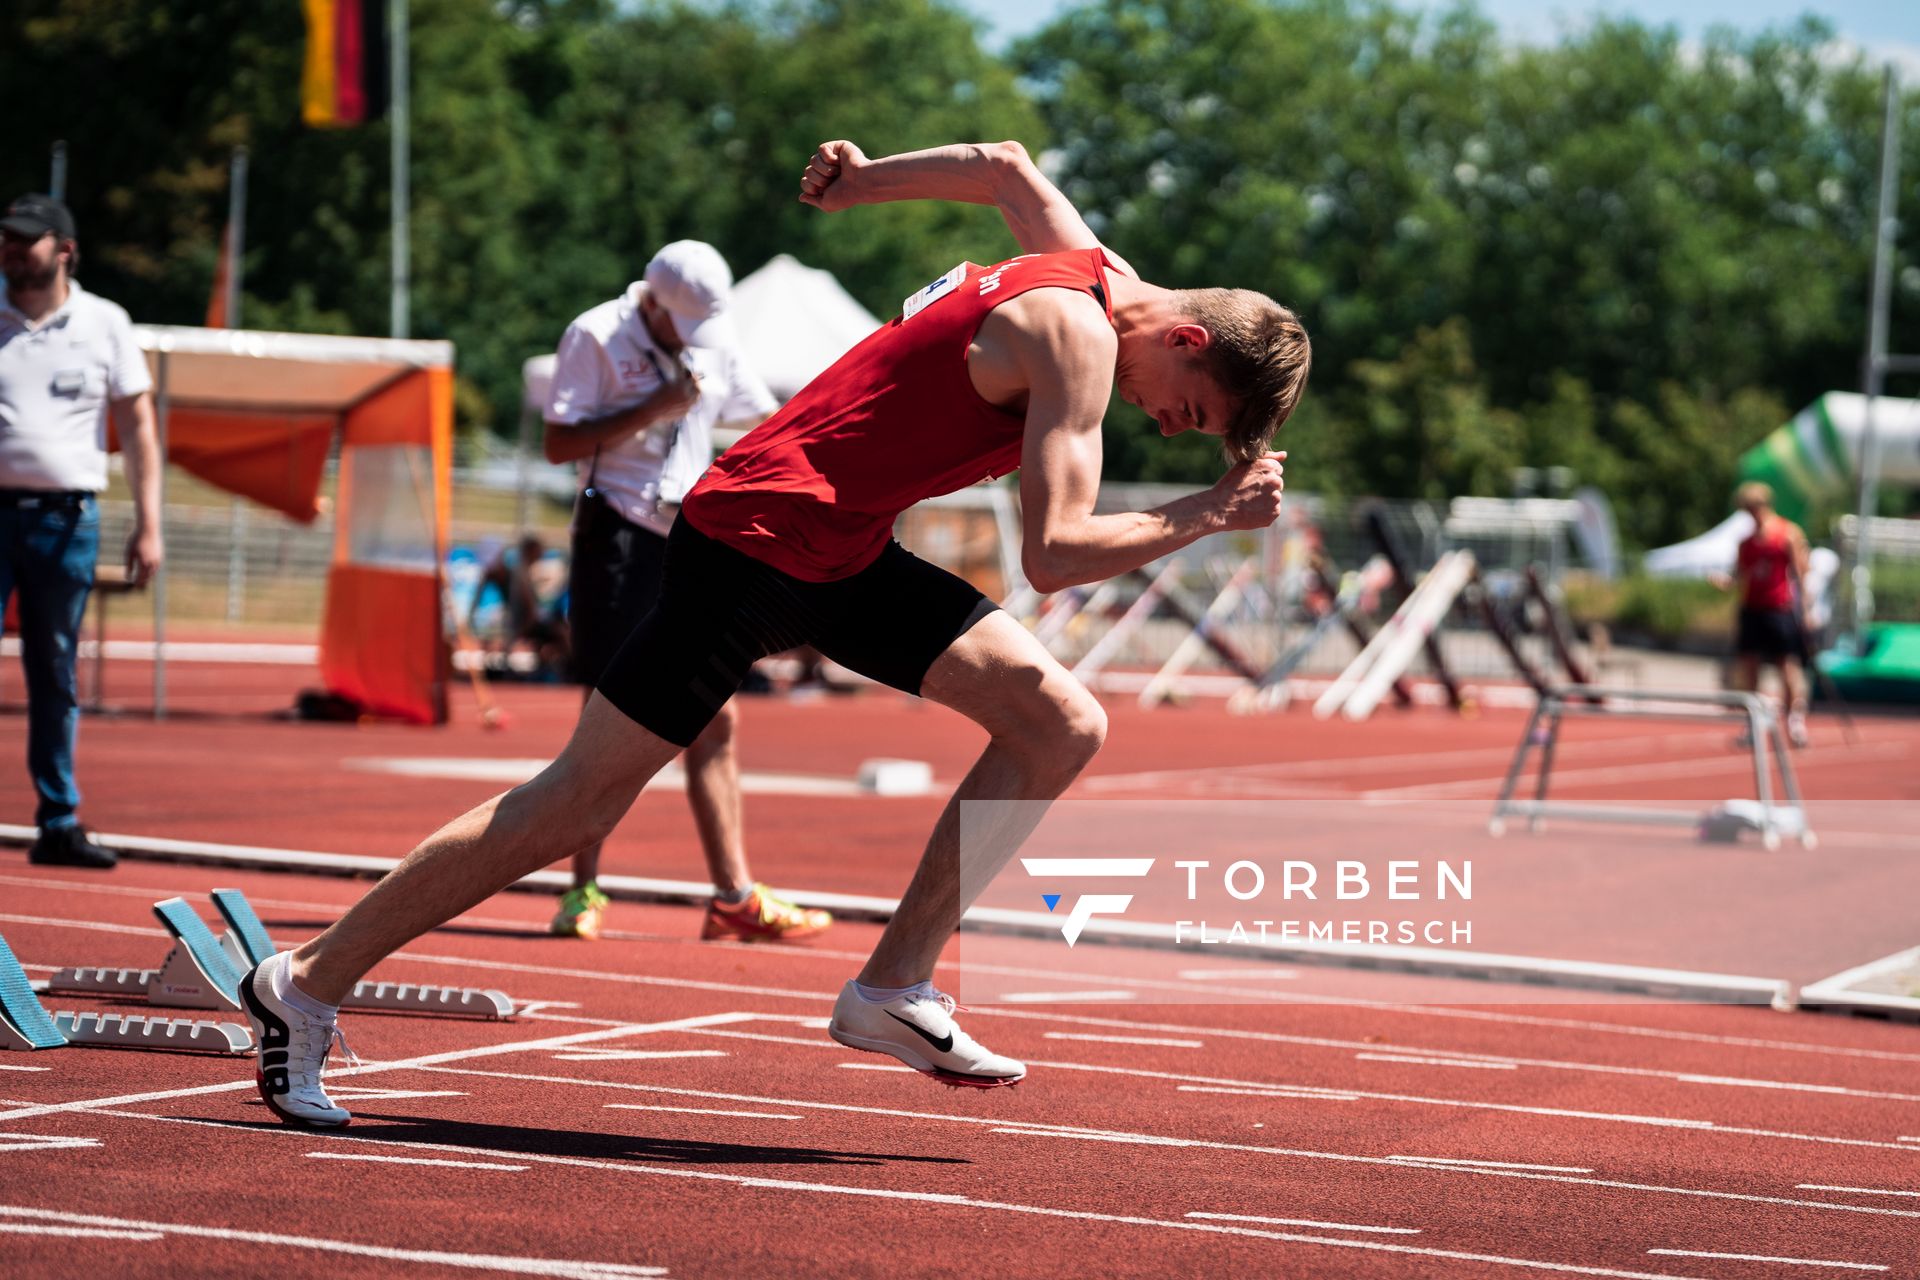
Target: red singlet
[
  {"x": 1766, "y": 558},
  {"x": 813, "y": 491}
]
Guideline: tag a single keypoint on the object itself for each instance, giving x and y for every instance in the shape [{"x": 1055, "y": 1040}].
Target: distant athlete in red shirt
[
  {"x": 786, "y": 541},
  {"x": 1770, "y": 574}
]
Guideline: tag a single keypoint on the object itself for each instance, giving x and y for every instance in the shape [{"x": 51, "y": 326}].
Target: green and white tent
[{"x": 1814, "y": 460}]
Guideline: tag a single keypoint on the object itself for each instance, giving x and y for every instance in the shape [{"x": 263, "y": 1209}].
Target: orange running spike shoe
[{"x": 763, "y": 917}]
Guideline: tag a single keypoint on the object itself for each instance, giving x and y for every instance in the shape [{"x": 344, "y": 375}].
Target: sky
[{"x": 1888, "y": 29}]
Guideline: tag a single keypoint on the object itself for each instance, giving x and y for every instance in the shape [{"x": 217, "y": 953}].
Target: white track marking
[
  {"x": 1305, "y": 1222},
  {"x": 1146, "y": 1040},
  {"x": 1488, "y": 1164},
  {"x": 43, "y": 1142},
  {"x": 9, "y": 1067},
  {"x": 1314, "y": 1095},
  {"x": 1669, "y": 1122},
  {"x": 704, "y": 1111},
  {"x": 871, "y": 1066},
  {"x": 1860, "y": 1191},
  {"x": 1436, "y": 1062},
  {"x": 1761, "y": 1257},
  {"x": 1049, "y": 997},
  {"x": 837, "y": 1189},
  {"x": 1238, "y": 975},
  {"x": 1108, "y": 1135},
  {"x": 78, "y": 1233},
  {"x": 429, "y": 1257},
  {"x": 671, "y": 778},
  {"x": 638, "y": 1055},
  {"x": 88, "y": 925},
  {"x": 456, "y": 1055},
  {"x": 438, "y": 1164}
]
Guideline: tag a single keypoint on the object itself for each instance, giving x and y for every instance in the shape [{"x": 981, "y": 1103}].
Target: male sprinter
[{"x": 786, "y": 542}]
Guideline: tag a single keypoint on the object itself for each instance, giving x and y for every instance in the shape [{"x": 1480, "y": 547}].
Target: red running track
[{"x": 672, "y": 1105}]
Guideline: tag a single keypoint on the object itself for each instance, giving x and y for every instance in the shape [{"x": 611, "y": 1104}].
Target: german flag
[{"x": 344, "y": 81}]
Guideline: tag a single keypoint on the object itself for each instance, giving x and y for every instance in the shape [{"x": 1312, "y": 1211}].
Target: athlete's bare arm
[
  {"x": 997, "y": 173},
  {"x": 1050, "y": 353}
]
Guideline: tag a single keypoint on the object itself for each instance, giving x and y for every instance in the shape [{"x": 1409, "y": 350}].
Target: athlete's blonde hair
[
  {"x": 1753, "y": 494},
  {"x": 1260, "y": 355}
]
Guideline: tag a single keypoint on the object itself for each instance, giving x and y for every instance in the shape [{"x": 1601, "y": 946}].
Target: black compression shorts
[
  {"x": 720, "y": 610},
  {"x": 1771, "y": 635}
]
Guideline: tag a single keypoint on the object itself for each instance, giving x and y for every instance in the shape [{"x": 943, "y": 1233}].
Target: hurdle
[
  {"x": 1390, "y": 548},
  {"x": 25, "y": 1024},
  {"x": 1270, "y": 692},
  {"x": 1359, "y": 688},
  {"x": 201, "y": 972},
  {"x": 1161, "y": 687},
  {"x": 1130, "y": 622},
  {"x": 1721, "y": 824}
]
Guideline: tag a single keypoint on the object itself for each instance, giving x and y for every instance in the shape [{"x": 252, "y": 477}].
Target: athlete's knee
[{"x": 1065, "y": 732}]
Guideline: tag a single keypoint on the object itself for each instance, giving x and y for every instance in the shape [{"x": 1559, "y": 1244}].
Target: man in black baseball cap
[{"x": 35, "y": 215}]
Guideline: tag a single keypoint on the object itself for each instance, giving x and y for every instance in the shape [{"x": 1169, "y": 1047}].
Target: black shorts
[
  {"x": 720, "y": 610},
  {"x": 613, "y": 581},
  {"x": 1771, "y": 635}
]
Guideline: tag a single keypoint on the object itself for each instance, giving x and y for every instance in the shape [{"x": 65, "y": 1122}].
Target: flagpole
[
  {"x": 398, "y": 91},
  {"x": 57, "y": 186},
  {"x": 236, "y": 232},
  {"x": 1874, "y": 367}
]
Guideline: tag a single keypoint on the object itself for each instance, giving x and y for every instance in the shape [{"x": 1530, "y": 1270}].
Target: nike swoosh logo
[{"x": 943, "y": 1043}]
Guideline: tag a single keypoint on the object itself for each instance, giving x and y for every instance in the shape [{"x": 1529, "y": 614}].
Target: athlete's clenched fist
[
  {"x": 1249, "y": 495},
  {"x": 826, "y": 182}
]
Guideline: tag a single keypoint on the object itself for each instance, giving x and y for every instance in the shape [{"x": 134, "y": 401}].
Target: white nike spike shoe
[
  {"x": 917, "y": 1027},
  {"x": 292, "y": 1047}
]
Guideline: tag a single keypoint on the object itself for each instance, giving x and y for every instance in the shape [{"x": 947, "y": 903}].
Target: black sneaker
[{"x": 70, "y": 847}]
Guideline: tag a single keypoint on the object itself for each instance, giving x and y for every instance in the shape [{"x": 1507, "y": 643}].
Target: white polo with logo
[
  {"x": 57, "y": 381},
  {"x": 608, "y": 361}
]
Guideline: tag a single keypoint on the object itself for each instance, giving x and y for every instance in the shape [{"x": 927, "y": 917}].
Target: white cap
[{"x": 691, "y": 280}]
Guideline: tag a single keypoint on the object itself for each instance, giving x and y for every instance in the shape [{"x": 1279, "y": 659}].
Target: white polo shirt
[
  {"x": 608, "y": 361},
  {"x": 57, "y": 379}
]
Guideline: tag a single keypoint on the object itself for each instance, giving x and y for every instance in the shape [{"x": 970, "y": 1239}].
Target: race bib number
[{"x": 939, "y": 289}]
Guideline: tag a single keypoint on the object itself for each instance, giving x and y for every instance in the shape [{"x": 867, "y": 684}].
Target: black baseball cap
[{"x": 35, "y": 215}]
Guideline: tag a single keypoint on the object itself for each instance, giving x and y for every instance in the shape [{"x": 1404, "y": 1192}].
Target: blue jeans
[{"x": 48, "y": 554}]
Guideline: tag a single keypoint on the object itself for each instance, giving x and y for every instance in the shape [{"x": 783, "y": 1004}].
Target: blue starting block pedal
[
  {"x": 195, "y": 975},
  {"x": 203, "y": 973},
  {"x": 24, "y": 1023}
]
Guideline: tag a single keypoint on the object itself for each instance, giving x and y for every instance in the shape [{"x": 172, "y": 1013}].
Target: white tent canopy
[
  {"x": 794, "y": 321},
  {"x": 1711, "y": 552}
]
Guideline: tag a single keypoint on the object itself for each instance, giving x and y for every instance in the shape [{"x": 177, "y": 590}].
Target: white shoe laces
[{"x": 305, "y": 1074}]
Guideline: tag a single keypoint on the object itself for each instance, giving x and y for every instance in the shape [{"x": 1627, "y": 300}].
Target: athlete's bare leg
[
  {"x": 713, "y": 792},
  {"x": 1045, "y": 727},
  {"x": 573, "y": 802},
  {"x": 1793, "y": 675}
]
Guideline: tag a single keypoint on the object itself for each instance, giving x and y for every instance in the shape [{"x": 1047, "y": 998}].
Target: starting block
[
  {"x": 204, "y": 973},
  {"x": 24, "y": 1023}
]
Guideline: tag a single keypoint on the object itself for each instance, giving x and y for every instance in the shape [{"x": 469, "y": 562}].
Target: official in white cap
[{"x": 639, "y": 384}]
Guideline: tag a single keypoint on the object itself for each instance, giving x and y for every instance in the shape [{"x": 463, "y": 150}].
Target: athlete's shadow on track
[{"x": 498, "y": 1140}]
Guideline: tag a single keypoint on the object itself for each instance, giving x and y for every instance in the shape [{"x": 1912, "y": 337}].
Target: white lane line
[
  {"x": 1665, "y": 1122},
  {"x": 1146, "y": 1040},
  {"x": 600, "y": 1270},
  {"x": 818, "y": 1042},
  {"x": 1339, "y": 1157},
  {"x": 6, "y": 1066},
  {"x": 457, "y": 1055},
  {"x": 1859, "y": 1191},
  {"x": 637, "y": 1055},
  {"x": 703, "y": 1111},
  {"x": 475, "y": 1261},
  {"x": 1761, "y": 1257},
  {"x": 1488, "y": 1164},
  {"x": 1436, "y": 1062},
  {"x": 1742, "y": 1082},
  {"x": 1048, "y": 997},
  {"x": 1238, "y": 975},
  {"x": 1312, "y": 1095},
  {"x": 438, "y": 1164},
  {"x": 78, "y": 1233},
  {"x": 1305, "y": 1222},
  {"x": 671, "y": 778},
  {"x": 872, "y": 1066},
  {"x": 43, "y": 1142}
]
